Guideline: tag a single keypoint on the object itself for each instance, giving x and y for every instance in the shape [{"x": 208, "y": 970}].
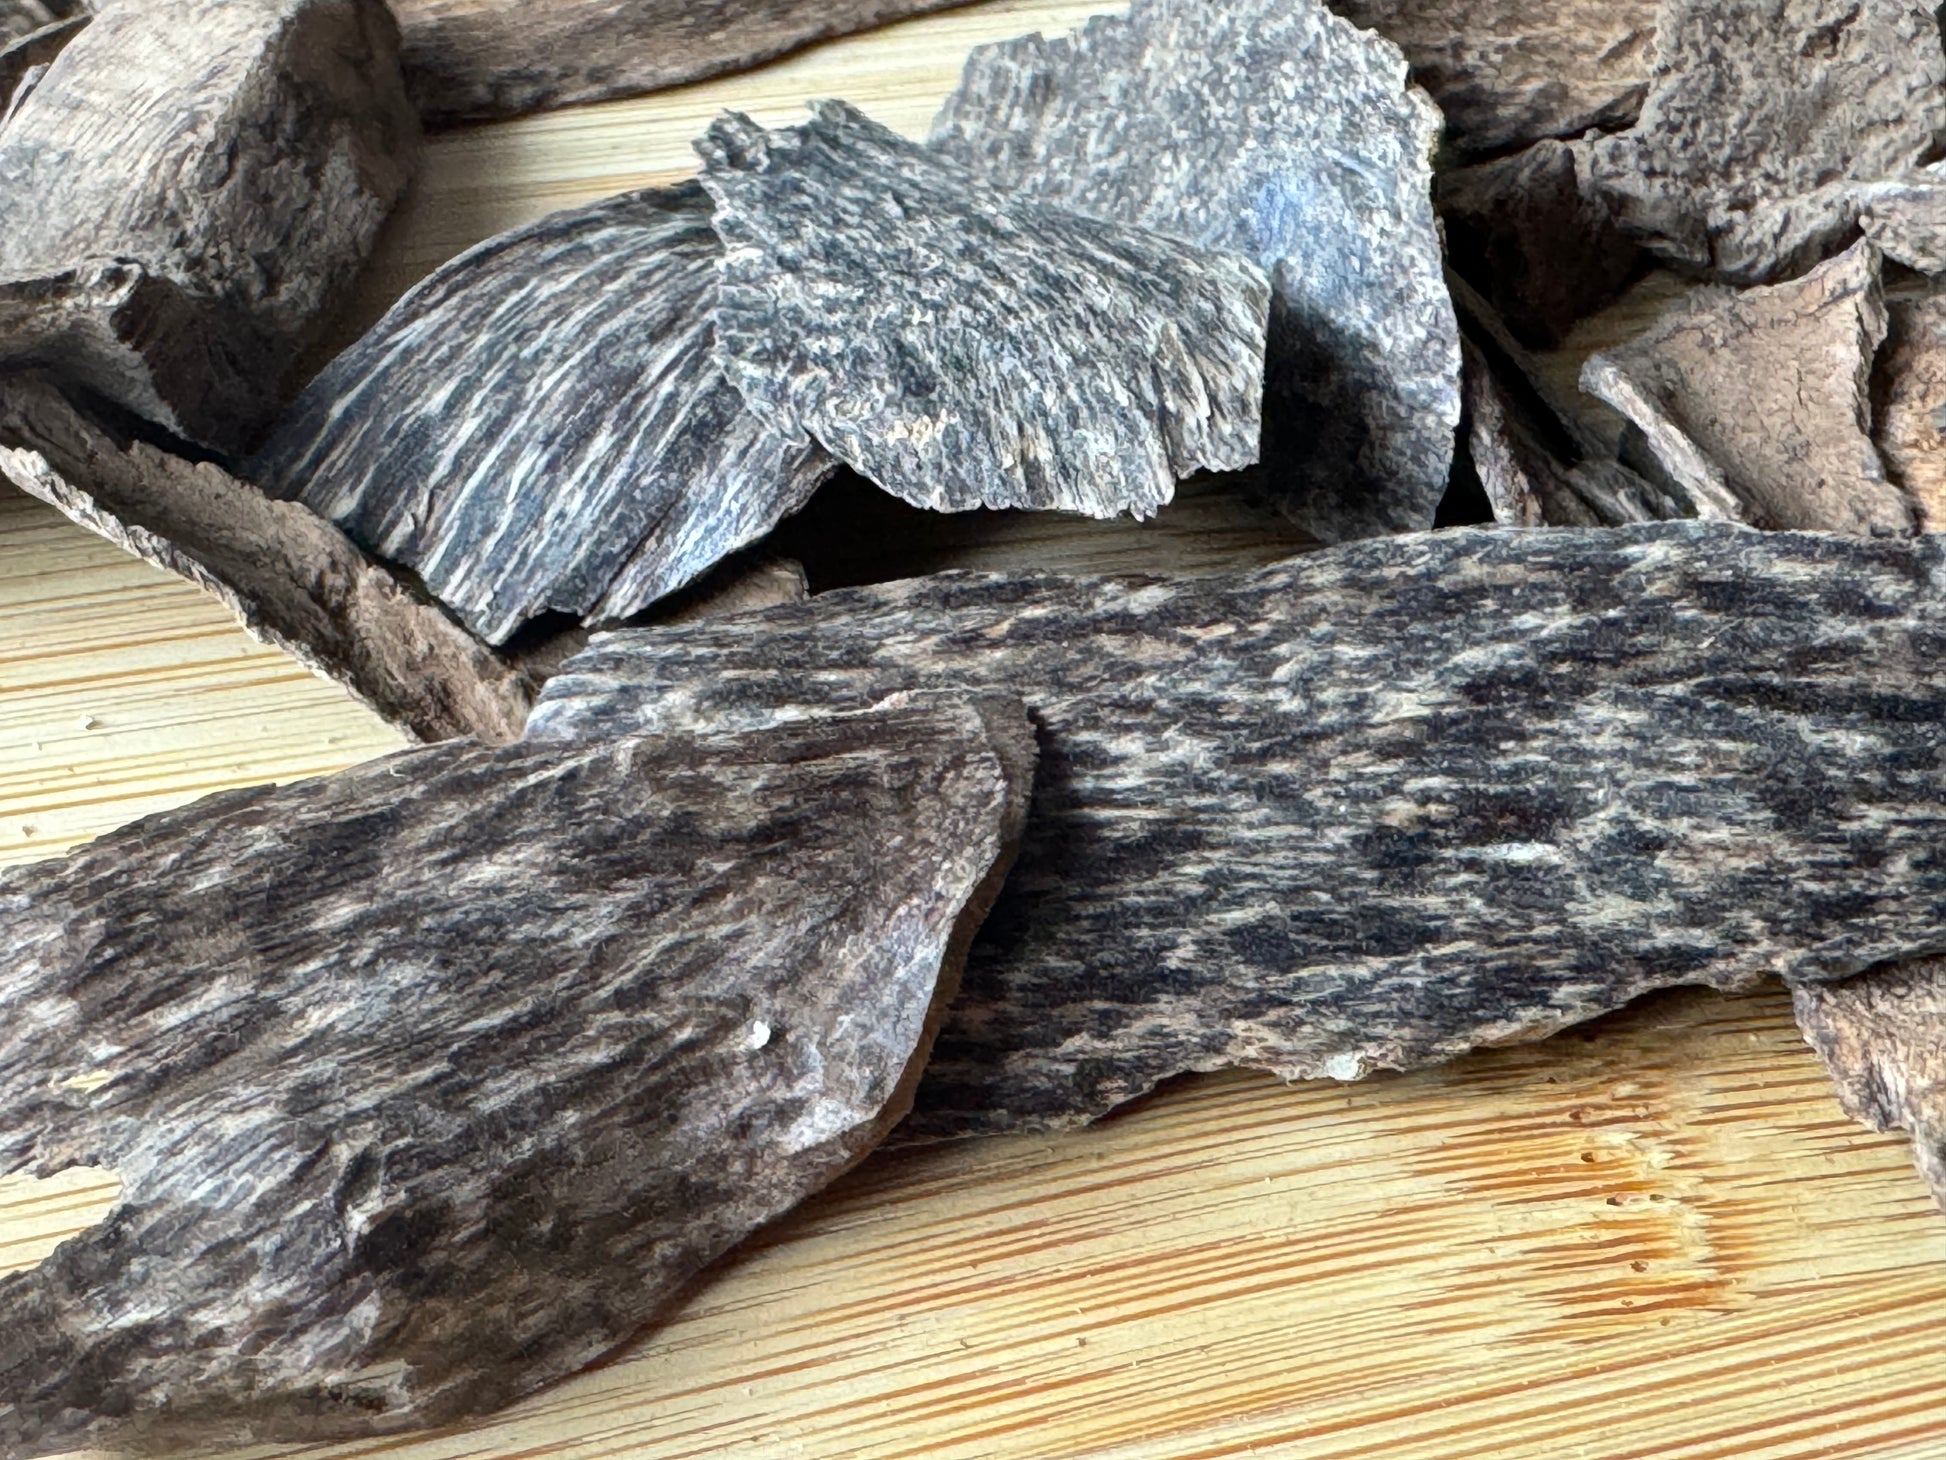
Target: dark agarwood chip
[
  {"x": 1757, "y": 402},
  {"x": 1274, "y": 128},
  {"x": 1377, "y": 805},
  {"x": 291, "y": 578},
  {"x": 196, "y": 185},
  {"x": 469, "y": 59},
  {"x": 1765, "y": 120},
  {"x": 1510, "y": 72},
  {"x": 962, "y": 347},
  {"x": 1911, "y": 395},
  {"x": 1882, "y": 1037},
  {"x": 540, "y": 426},
  {"x": 433, "y": 1081}
]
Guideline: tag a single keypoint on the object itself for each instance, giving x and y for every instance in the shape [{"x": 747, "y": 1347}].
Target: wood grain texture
[{"x": 1421, "y": 1268}]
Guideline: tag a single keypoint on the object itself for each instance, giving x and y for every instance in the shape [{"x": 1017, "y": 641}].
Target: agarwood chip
[
  {"x": 539, "y": 426},
  {"x": 1274, "y": 128},
  {"x": 1757, "y": 402},
  {"x": 1882, "y": 1037},
  {"x": 467, "y": 59},
  {"x": 1509, "y": 72},
  {"x": 433, "y": 1081},
  {"x": 195, "y": 185},
  {"x": 291, "y": 578},
  {"x": 1763, "y": 122},
  {"x": 1911, "y": 433},
  {"x": 1906, "y": 219},
  {"x": 25, "y": 59},
  {"x": 1377, "y": 805},
  {"x": 963, "y": 347},
  {"x": 1526, "y": 469}
]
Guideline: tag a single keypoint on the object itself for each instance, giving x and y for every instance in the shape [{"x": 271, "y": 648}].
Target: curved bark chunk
[
  {"x": 431, "y": 1082},
  {"x": 1375, "y": 806},
  {"x": 1757, "y": 402},
  {"x": 292, "y": 579},
  {"x": 1765, "y": 119},
  {"x": 1882, "y": 1037},
  {"x": 540, "y": 426},
  {"x": 1510, "y": 72},
  {"x": 196, "y": 185},
  {"x": 1912, "y": 426},
  {"x": 1276, "y": 129},
  {"x": 963, "y": 348}
]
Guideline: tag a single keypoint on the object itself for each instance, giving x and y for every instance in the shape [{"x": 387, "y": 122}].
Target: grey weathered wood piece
[
  {"x": 1510, "y": 72},
  {"x": 1757, "y": 402},
  {"x": 1764, "y": 122},
  {"x": 961, "y": 346},
  {"x": 468, "y": 59},
  {"x": 1906, "y": 218},
  {"x": 433, "y": 1081},
  {"x": 1277, "y": 129},
  {"x": 291, "y": 578},
  {"x": 189, "y": 189},
  {"x": 1909, "y": 401},
  {"x": 540, "y": 426},
  {"x": 1383, "y": 803},
  {"x": 1882, "y": 1037}
]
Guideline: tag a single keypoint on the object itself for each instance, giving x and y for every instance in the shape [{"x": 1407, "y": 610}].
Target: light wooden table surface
[{"x": 1657, "y": 1237}]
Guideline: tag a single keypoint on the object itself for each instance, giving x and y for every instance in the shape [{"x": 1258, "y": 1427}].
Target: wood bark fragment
[
  {"x": 540, "y": 426},
  {"x": 291, "y": 578},
  {"x": 1199, "y": 120},
  {"x": 1510, "y": 72},
  {"x": 433, "y": 1081},
  {"x": 470, "y": 59},
  {"x": 963, "y": 347},
  {"x": 1377, "y": 805},
  {"x": 1911, "y": 371},
  {"x": 1882, "y": 1037},
  {"x": 1757, "y": 402},
  {"x": 191, "y": 188},
  {"x": 1764, "y": 121}
]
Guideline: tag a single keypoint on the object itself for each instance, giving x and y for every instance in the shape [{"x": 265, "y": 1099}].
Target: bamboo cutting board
[{"x": 1656, "y": 1237}]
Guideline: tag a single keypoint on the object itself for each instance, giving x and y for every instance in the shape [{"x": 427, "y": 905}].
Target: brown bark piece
[
  {"x": 1756, "y": 402},
  {"x": 191, "y": 188},
  {"x": 431, "y": 1082},
  {"x": 468, "y": 59},
  {"x": 291, "y": 578},
  {"x": 1882, "y": 1037},
  {"x": 1763, "y": 122},
  {"x": 1508, "y": 72},
  {"x": 1912, "y": 399}
]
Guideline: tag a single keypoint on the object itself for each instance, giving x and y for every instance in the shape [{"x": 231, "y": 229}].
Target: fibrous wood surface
[
  {"x": 962, "y": 347},
  {"x": 1911, "y": 432},
  {"x": 467, "y": 59},
  {"x": 1377, "y": 805},
  {"x": 1906, "y": 218},
  {"x": 1757, "y": 402},
  {"x": 1882, "y": 1036},
  {"x": 1509, "y": 72},
  {"x": 1277, "y": 129},
  {"x": 1764, "y": 121},
  {"x": 540, "y": 426},
  {"x": 433, "y": 1081},
  {"x": 291, "y": 578}
]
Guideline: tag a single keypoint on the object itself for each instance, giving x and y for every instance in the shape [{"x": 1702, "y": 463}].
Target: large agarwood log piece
[
  {"x": 433, "y": 1081},
  {"x": 291, "y": 578},
  {"x": 189, "y": 189},
  {"x": 1274, "y": 128},
  {"x": 1375, "y": 806},
  {"x": 541, "y": 425}
]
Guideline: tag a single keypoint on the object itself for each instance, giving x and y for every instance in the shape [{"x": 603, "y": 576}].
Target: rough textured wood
[
  {"x": 1526, "y": 482},
  {"x": 1509, "y": 72},
  {"x": 1757, "y": 402},
  {"x": 192, "y": 186},
  {"x": 25, "y": 58},
  {"x": 1763, "y": 121},
  {"x": 540, "y": 426},
  {"x": 1882, "y": 1036},
  {"x": 1906, "y": 218},
  {"x": 963, "y": 348},
  {"x": 1376, "y": 806},
  {"x": 291, "y": 579},
  {"x": 467, "y": 59},
  {"x": 1319, "y": 170},
  {"x": 488, "y": 1051},
  {"x": 1911, "y": 403}
]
